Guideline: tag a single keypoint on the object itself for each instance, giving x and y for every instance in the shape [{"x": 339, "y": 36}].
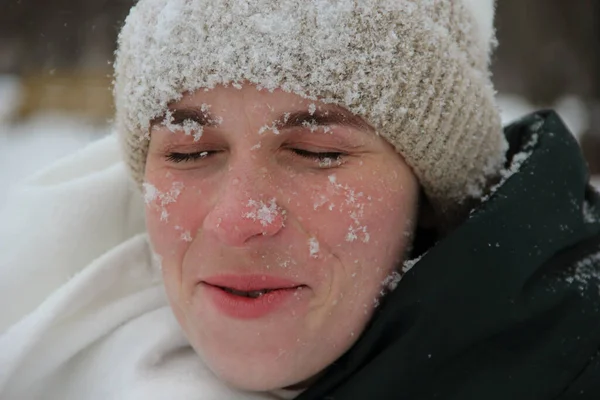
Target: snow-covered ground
[{"x": 29, "y": 145}]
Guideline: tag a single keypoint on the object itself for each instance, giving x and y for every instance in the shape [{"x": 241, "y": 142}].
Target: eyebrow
[
  {"x": 323, "y": 116},
  {"x": 195, "y": 114}
]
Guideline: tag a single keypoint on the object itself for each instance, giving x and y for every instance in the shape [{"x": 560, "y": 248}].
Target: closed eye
[
  {"x": 187, "y": 157},
  {"x": 318, "y": 155},
  {"x": 324, "y": 159}
]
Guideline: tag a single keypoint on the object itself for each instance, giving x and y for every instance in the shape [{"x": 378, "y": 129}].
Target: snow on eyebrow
[
  {"x": 272, "y": 127},
  {"x": 193, "y": 128},
  {"x": 315, "y": 120},
  {"x": 312, "y": 125},
  {"x": 190, "y": 120},
  {"x": 168, "y": 122}
]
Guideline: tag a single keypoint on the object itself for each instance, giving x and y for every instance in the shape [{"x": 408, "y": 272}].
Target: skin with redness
[{"x": 281, "y": 186}]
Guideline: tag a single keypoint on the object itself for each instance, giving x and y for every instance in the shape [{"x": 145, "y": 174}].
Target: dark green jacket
[{"x": 506, "y": 307}]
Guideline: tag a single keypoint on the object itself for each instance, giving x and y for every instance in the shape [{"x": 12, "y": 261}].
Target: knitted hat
[{"x": 417, "y": 70}]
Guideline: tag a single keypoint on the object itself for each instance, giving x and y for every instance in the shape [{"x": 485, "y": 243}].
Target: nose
[{"x": 244, "y": 210}]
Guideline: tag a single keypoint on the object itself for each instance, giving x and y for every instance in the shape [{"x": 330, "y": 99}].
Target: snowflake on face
[
  {"x": 357, "y": 210},
  {"x": 265, "y": 213},
  {"x": 150, "y": 192},
  {"x": 186, "y": 236},
  {"x": 391, "y": 281},
  {"x": 313, "y": 245},
  {"x": 153, "y": 195},
  {"x": 272, "y": 127}
]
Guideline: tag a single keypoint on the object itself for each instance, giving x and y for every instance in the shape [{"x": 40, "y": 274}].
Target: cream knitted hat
[{"x": 417, "y": 70}]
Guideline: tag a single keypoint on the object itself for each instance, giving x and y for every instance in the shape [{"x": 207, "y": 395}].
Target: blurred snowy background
[{"x": 55, "y": 66}]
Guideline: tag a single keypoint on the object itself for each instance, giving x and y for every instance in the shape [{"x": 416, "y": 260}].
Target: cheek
[
  {"x": 173, "y": 216},
  {"x": 367, "y": 220}
]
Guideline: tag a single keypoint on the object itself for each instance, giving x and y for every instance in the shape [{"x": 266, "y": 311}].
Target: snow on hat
[{"x": 417, "y": 70}]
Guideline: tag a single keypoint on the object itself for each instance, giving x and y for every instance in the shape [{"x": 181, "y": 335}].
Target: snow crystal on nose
[{"x": 262, "y": 212}]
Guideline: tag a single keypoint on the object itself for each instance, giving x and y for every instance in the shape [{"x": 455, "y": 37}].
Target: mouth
[
  {"x": 253, "y": 294},
  {"x": 253, "y": 286}
]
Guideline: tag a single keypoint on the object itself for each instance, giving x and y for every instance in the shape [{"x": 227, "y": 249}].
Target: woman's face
[{"x": 279, "y": 221}]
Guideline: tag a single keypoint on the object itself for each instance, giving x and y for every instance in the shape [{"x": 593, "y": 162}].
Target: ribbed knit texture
[{"x": 417, "y": 70}]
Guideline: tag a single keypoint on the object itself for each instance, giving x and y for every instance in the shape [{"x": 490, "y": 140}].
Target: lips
[
  {"x": 253, "y": 294},
  {"x": 250, "y": 296},
  {"x": 250, "y": 283}
]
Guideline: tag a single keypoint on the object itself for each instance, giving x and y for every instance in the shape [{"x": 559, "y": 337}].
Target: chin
[
  {"x": 256, "y": 378},
  {"x": 264, "y": 370}
]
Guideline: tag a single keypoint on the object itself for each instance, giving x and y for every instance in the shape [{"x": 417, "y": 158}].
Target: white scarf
[{"x": 83, "y": 312}]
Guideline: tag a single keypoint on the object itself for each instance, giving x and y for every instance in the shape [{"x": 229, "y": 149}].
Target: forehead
[
  {"x": 205, "y": 106},
  {"x": 251, "y": 98}
]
